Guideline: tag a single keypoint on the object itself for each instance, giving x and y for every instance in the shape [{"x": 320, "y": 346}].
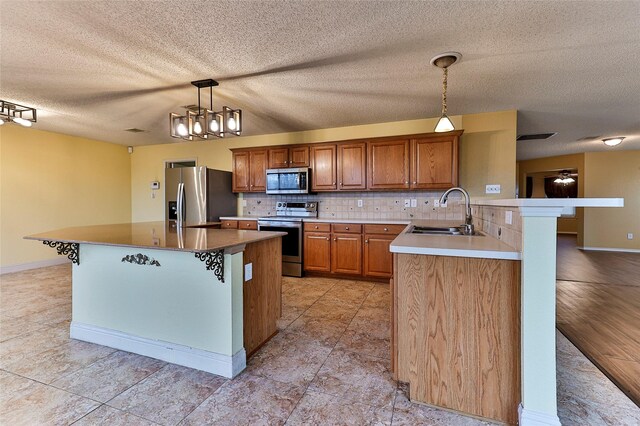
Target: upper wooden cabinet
[
  {"x": 434, "y": 162},
  {"x": 352, "y": 170},
  {"x": 249, "y": 171},
  {"x": 280, "y": 158},
  {"x": 323, "y": 165},
  {"x": 388, "y": 164}
]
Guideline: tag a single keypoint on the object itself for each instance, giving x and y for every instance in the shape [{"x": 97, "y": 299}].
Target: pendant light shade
[
  {"x": 203, "y": 123},
  {"x": 444, "y": 61}
]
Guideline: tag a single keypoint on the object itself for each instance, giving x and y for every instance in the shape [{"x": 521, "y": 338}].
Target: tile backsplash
[
  {"x": 491, "y": 221},
  {"x": 375, "y": 205}
]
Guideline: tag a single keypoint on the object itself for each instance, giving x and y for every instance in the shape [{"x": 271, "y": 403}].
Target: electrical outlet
[
  {"x": 508, "y": 217},
  {"x": 407, "y": 203},
  {"x": 436, "y": 203},
  {"x": 244, "y": 203},
  {"x": 248, "y": 271},
  {"x": 359, "y": 203},
  {"x": 630, "y": 236},
  {"x": 414, "y": 202},
  {"x": 492, "y": 189}
]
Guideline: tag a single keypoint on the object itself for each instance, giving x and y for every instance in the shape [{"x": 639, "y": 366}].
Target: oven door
[{"x": 291, "y": 243}]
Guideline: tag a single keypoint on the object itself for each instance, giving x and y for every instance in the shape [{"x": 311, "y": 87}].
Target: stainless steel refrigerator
[{"x": 196, "y": 195}]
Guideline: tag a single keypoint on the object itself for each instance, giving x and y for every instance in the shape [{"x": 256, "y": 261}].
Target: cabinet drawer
[
  {"x": 248, "y": 224},
  {"x": 383, "y": 229},
  {"x": 317, "y": 227},
  {"x": 351, "y": 228},
  {"x": 229, "y": 224}
]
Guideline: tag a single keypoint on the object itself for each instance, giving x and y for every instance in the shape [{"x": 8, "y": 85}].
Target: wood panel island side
[{"x": 183, "y": 295}]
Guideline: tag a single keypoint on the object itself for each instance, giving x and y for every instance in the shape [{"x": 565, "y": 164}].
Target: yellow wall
[
  {"x": 50, "y": 181},
  {"x": 487, "y": 154},
  {"x": 613, "y": 174},
  {"x": 572, "y": 161}
]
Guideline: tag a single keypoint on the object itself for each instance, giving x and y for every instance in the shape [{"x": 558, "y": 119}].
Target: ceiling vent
[
  {"x": 589, "y": 138},
  {"x": 535, "y": 136},
  {"x": 134, "y": 130}
]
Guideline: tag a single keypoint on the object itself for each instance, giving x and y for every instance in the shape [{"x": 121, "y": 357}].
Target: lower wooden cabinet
[
  {"x": 229, "y": 224},
  {"x": 317, "y": 251},
  {"x": 240, "y": 224},
  {"x": 346, "y": 254},
  {"x": 349, "y": 249}
]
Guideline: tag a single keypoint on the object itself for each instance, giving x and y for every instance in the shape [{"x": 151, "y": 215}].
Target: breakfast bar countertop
[
  {"x": 156, "y": 235},
  {"x": 478, "y": 246}
]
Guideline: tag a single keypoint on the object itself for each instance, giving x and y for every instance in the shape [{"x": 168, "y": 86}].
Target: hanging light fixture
[
  {"x": 444, "y": 61},
  {"x": 19, "y": 114},
  {"x": 203, "y": 123},
  {"x": 564, "y": 178}
]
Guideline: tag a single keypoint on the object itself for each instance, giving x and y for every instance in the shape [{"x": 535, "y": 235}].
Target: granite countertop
[
  {"x": 238, "y": 218},
  {"x": 332, "y": 220},
  {"x": 479, "y": 246},
  {"x": 156, "y": 235}
]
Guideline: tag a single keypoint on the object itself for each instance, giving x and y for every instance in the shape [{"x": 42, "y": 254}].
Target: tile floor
[{"x": 328, "y": 365}]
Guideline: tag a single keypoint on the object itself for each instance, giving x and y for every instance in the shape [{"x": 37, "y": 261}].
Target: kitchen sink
[{"x": 434, "y": 230}]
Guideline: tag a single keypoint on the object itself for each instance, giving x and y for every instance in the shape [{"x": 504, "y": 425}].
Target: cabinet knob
[
  {"x": 316, "y": 227},
  {"x": 333, "y": 183},
  {"x": 366, "y": 241},
  {"x": 346, "y": 228},
  {"x": 335, "y": 239},
  {"x": 406, "y": 182},
  {"x": 414, "y": 182},
  {"x": 341, "y": 184},
  {"x": 327, "y": 238},
  {"x": 386, "y": 229}
]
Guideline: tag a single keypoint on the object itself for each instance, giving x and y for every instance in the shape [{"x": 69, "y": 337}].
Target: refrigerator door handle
[{"x": 180, "y": 203}]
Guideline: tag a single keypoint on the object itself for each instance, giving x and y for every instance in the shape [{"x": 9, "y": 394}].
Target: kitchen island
[{"x": 198, "y": 297}]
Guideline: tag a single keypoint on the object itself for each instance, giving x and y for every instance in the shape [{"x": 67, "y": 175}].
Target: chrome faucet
[{"x": 468, "y": 220}]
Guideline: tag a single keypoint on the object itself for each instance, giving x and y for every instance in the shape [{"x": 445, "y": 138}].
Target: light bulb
[
  {"x": 182, "y": 129},
  {"x": 1, "y": 121},
  {"x": 612, "y": 141},
  {"x": 231, "y": 123},
  {"x": 214, "y": 126},
  {"x": 197, "y": 128},
  {"x": 22, "y": 122}
]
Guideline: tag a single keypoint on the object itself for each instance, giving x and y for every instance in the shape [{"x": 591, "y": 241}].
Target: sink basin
[{"x": 434, "y": 230}]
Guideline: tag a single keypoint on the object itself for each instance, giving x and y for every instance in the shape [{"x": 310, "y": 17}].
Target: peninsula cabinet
[
  {"x": 434, "y": 162},
  {"x": 378, "y": 260},
  {"x": 249, "y": 170},
  {"x": 323, "y": 165},
  {"x": 281, "y": 158},
  {"x": 388, "y": 164}
]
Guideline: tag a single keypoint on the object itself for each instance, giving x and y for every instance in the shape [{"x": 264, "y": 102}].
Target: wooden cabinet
[
  {"x": 346, "y": 254},
  {"x": 280, "y": 158},
  {"x": 351, "y": 170},
  {"x": 240, "y": 176},
  {"x": 258, "y": 170},
  {"x": 323, "y": 164},
  {"x": 317, "y": 252},
  {"x": 378, "y": 261},
  {"x": 248, "y": 225},
  {"x": 434, "y": 162},
  {"x": 229, "y": 224},
  {"x": 388, "y": 164},
  {"x": 249, "y": 171}
]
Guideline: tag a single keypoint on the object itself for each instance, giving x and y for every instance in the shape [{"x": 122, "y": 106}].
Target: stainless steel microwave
[{"x": 288, "y": 181}]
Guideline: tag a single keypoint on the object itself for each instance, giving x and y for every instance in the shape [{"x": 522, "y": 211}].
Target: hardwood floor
[{"x": 598, "y": 310}]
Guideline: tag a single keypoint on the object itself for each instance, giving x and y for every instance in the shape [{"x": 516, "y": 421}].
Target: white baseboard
[
  {"x": 536, "y": 418},
  {"x": 222, "y": 365},
  {"x": 610, "y": 249},
  {"x": 33, "y": 265}
]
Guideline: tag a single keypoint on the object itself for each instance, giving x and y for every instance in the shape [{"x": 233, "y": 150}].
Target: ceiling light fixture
[
  {"x": 444, "y": 61},
  {"x": 203, "y": 123},
  {"x": 19, "y": 114},
  {"x": 613, "y": 141},
  {"x": 564, "y": 178}
]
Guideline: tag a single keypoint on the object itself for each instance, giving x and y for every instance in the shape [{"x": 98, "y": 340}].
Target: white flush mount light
[
  {"x": 444, "y": 61},
  {"x": 613, "y": 141},
  {"x": 19, "y": 114},
  {"x": 203, "y": 122}
]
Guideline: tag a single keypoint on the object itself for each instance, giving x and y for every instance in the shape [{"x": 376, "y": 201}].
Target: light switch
[
  {"x": 414, "y": 202},
  {"x": 359, "y": 203},
  {"x": 248, "y": 271}
]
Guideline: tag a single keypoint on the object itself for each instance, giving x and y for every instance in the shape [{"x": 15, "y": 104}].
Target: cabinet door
[
  {"x": 229, "y": 224},
  {"x": 352, "y": 166},
  {"x": 258, "y": 170},
  {"x": 388, "y": 164},
  {"x": 299, "y": 156},
  {"x": 323, "y": 164},
  {"x": 434, "y": 162},
  {"x": 378, "y": 260},
  {"x": 317, "y": 252},
  {"x": 278, "y": 158},
  {"x": 240, "y": 176},
  {"x": 346, "y": 254}
]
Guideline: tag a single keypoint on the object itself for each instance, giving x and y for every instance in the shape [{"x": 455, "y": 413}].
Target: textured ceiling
[{"x": 95, "y": 68}]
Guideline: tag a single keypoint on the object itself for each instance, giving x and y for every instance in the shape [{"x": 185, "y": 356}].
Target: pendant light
[
  {"x": 15, "y": 113},
  {"x": 203, "y": 123},
  {"x": 444, "y": 61}
]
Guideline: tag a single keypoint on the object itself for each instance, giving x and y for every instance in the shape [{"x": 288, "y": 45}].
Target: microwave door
[{"x": 273, "y": 182}]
